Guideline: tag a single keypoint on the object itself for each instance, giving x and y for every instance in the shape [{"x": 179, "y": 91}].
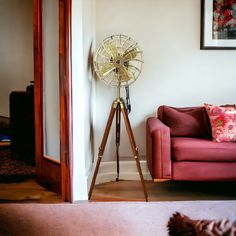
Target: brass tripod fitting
[
  {"x": 115, "y": 103},
  {"x": 99, "y": 153},
  {"x": 118, "y": 101},
  {"x": 136, "y": 156},
  {"x": 121, "y": 104}
]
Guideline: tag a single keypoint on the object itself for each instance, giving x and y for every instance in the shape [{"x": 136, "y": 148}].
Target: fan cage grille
[{"x": 118, "y": 61}]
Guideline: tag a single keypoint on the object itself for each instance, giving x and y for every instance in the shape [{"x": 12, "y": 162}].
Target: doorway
[
  {"x": 17, "y": 148},
  {"x": 54, "y": 174}
]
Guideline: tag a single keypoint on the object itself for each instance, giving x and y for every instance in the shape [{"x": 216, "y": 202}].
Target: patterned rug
[{"x": 12, "y": 170}]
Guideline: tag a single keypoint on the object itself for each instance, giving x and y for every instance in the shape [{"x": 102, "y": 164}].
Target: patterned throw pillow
[{"x": 223, "y": 122}]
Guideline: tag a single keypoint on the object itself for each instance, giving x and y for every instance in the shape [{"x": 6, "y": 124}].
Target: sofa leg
[{"x": 161, "y": 180}]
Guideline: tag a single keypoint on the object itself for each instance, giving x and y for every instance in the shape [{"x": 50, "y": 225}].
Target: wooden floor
[
  {"x": 165, "y": 191},
  {"x": 31, "y": 192},
  {"x": 27, "y": 192}
]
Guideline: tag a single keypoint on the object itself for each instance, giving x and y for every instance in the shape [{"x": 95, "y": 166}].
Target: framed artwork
[{"x": 218, "y": 24}]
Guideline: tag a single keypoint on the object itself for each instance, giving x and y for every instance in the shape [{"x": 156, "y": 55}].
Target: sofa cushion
[
  {"x": 195, "y": 149},
  {"x": 223, "y": 122},
  {"x": 185, "y": 122}
]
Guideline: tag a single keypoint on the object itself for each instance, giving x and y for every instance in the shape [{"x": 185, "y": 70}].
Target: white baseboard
[{"x": 128, "y": 171}]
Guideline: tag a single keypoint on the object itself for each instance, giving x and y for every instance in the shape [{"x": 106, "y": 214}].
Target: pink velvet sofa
[{"x": 179, "y": 147}]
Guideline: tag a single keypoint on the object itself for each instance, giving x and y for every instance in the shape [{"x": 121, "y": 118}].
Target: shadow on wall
[
  {"x": 91, "y": 77},
  {"x": 90, "y": 68}
]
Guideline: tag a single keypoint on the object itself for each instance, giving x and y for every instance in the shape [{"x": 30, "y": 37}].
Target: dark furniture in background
[
  {"x": 4, "y": 125},
  {"x": 22, "y": 125},
  {"x": 180, "y": 147}
]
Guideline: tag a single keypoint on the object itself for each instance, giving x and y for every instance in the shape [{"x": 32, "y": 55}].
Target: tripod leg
[
  {"x": 117, "y": 140},
  {"x": 102, "y": 148},
  {"x": 134, "y": 148}
]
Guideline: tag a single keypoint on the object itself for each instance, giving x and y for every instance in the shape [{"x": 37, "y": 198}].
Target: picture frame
[{"x": 218, "y": 24}]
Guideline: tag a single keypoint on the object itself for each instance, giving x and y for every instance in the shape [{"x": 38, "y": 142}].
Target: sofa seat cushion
[{"x": 195, "y": 149}]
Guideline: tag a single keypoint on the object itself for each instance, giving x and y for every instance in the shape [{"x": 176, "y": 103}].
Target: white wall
[
  {"x": 83, "y": 91},
  {"x": 89, "y": 84},
  {"x": 16, "y": 48},
  {"x": 176, "y": 72}
]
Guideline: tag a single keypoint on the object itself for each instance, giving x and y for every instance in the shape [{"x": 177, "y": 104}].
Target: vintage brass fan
[{"x": 118, "y": 62}]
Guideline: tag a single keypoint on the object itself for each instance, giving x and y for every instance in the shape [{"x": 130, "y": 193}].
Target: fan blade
[
  {"x": 111, "y": 49},
  {"x": 130, "y": 54},
  {"x": 105, "y": 69},
  {"x": 124, "y": 75}
]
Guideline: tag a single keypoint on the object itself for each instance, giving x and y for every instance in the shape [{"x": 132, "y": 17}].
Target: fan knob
[{"x": 118, "y": 62}]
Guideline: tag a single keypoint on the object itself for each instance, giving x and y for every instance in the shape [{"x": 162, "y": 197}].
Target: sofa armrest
[{"x": 158, "y": 145}]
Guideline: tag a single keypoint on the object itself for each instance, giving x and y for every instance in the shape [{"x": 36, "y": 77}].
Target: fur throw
[{"x": 181, "y": 225}]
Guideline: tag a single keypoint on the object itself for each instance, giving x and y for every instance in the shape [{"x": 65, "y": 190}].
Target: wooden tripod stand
[{"x": 118, "y": 107}]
